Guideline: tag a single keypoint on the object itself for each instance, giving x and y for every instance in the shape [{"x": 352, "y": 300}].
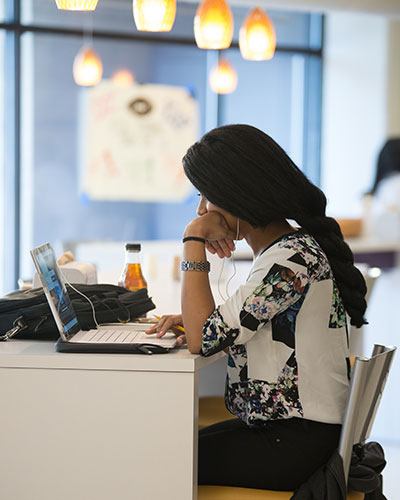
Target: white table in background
[{"x": 97, "y": 427}]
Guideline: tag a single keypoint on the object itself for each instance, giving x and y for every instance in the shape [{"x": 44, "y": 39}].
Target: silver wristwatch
[{"x": 195, "y": 265}]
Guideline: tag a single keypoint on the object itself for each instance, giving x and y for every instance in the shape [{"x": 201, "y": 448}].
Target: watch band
[{"x": 195, "y": 265}]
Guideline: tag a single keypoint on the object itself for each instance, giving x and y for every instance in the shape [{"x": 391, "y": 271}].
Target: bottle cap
[{"x": 133, "y": 246}]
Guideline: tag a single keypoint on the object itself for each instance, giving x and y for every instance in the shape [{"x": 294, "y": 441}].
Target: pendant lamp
[
  {"x": 223, "y": 78},
  {"x": 154, "y": 15},
  {"x": 76, "y": 4},
  {"x": 213, "y": 25},
  {"x": 87, "y": 69},
  {"x": 123, "y": 78},
  {"x": 257, "y": 39}
]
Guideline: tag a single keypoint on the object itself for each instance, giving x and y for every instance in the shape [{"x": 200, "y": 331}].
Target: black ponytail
[
  {"x": 348, "y": 278},
  {"x": 328, "y": 234},
  {"x": 244, "y": 171}
]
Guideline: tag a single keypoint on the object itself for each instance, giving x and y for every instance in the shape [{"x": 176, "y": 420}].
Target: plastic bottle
[{"x": 132, "y": 276}]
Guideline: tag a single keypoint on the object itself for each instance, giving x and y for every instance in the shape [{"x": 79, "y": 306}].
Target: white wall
[{"x": 354, "y": 117}]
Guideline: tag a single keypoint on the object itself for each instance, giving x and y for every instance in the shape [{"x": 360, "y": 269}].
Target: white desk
[
  {"x": 365, "y": 245},
  {"x": 97, "y": 427},
  {"x": 373, "y": 245}
]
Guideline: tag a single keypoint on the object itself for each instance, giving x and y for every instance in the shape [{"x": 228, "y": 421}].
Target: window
[
  {"x": 52, "y": 205},
  {"x": 280, "y": 96}
]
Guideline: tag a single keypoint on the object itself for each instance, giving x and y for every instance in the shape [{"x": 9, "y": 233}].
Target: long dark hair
[
  {"x": 388, "y": 162},
  {"x": 244, "y": 171}
]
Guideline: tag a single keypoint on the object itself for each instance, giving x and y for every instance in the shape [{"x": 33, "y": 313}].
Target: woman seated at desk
[{"x": 284, "y": 328}]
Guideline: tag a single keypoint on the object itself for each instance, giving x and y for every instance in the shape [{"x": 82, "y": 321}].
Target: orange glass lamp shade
[
  {"x": 123, "y": 78},
  {"x": 223, "y": 78},
  {"x": 76, "y": 4},
  {"x": 213, "y": 25},
  {"x": 257, "y": 38},
  {"x": 87, "y": 69},
  {"x": 154, "y": 15}
]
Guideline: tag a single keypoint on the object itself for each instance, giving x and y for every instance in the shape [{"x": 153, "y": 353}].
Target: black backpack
[{"x": 27, "y": 313}]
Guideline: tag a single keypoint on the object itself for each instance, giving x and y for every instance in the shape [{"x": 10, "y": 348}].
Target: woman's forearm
[{"x": 197, "y": 300}]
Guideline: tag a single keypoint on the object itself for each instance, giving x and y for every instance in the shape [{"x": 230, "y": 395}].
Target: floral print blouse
[{"x": 286, "y": 332}]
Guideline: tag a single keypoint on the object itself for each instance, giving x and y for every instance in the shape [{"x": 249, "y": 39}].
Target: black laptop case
[{"x": 27, "y": 313}]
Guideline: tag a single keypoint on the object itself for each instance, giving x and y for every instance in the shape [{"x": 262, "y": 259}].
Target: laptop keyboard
[{"x": 109, "y": 336}]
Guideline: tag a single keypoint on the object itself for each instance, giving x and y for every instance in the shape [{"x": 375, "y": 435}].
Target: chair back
[{"x": 367, "y": 383}]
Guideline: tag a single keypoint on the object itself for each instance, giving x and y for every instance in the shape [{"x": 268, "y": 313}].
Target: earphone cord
[
  {"x": 87, "y": 298},
  {"x": 234, "y": 268},
  {"x": 219, "y": 280},
  {"x": 233, "y": 260}
]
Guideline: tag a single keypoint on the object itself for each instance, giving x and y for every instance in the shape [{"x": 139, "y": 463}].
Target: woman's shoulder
[
  {"x": 298, "y": 241},
  {"x": 299, "y": 250}
]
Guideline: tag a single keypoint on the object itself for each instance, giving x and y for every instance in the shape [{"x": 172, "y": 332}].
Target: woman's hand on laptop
[{"x": 171, "y": 322}]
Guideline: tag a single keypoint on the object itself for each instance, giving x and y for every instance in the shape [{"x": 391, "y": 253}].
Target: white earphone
[{"x": 234, "y": 268}]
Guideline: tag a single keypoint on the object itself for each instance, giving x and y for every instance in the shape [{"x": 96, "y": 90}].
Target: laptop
[{"x": 109, "y": 338}]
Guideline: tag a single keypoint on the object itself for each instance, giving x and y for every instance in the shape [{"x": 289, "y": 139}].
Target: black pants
[{"x": 280, "y": 455}]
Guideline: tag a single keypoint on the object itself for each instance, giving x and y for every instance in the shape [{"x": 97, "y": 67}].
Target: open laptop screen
[{"x": 55, "y": 290}]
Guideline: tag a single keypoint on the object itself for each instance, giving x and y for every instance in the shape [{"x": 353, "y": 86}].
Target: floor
[{"x": 384, "y": 329}]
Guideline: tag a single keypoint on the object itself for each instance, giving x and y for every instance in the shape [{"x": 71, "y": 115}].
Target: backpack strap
[{"x": 119, "y": 309}]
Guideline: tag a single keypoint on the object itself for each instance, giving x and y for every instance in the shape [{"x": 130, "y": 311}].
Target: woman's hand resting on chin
[{"x": 213, "y": 227}]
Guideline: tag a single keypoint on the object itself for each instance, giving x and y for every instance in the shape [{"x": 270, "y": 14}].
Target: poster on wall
[{"x": 133, "y": 141}]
